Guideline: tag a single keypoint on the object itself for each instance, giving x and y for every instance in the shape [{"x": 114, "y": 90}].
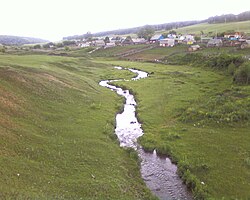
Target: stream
[{"x": 158, "y": 172}]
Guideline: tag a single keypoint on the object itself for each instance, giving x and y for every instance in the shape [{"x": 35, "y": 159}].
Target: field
[
  {"x": 188, "y": 113},
  {"x": 57, "y": 125},
  {"x": 56, "y": 132},
  {"x": 118, "y": 50},
  {"x": 219, "y": 28}
]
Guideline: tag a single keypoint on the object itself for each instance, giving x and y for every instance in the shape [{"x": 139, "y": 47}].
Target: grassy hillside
[
  {"x": 17, "y": 40},
  {"x": 221, "y": 27},
  {"x": 192, "y": 115},
  {"x": 118, "y": 50},
  {"x": 57, "y": 132}
]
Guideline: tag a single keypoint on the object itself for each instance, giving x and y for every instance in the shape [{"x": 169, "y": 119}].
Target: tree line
[
  {"x": 245, "y": 16},
  {"x": 16, "y": 40}
]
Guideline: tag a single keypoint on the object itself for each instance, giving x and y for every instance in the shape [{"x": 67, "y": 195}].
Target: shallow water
[{"x": 158, "y": 172}]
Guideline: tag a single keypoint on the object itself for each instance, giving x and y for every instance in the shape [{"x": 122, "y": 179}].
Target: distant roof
[
  {"x": 214, "y": 41},
  {"x": 167, "y": 39},
  {"x": 138, "y": 40},
  {"x": 195, "y": 46},
  {"x": 99, "y": 41},
  {"x": 156, "y": 37}
]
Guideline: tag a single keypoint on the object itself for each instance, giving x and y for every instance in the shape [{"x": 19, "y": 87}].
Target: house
[
  {"x": 110, "y": 44},
  {"x": 194, "y": 48},
  {"x": 156, "y": 38},
  {"x": 139, "y": 41},
  {"x": 83, "y": 45},
  {"x": 215, "y": 43},
  {"x": 99, "y": 43},
  {"x": 189, "y": 39},
  {"x": 167, "y": 42},
  {"x": 233, "y": 36},
  {"x": 128, "y": 41},
  {"x": 205, "y": 39},
  {"x": 117, "y": 40}
]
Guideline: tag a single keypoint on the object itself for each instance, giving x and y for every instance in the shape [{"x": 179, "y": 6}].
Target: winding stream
[{"x": 158, "y": 172}]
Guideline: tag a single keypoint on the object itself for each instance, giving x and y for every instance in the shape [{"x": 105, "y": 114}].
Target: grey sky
[{"x": 53, "y": 19}]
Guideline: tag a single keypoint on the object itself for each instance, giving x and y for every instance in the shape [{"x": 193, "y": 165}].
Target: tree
[
  {"x": 66, "y": 48},
  {"x": 37, "y": 46},
  {"x": 197, "y": 38},
  {"x": 68, "y": 42},
  {"x": 88, "y": 36},
  {"x": 58, "y": 45},
  {"x": 172, "y": 32},
  {"x": 107, "y": 40},
  {"x": 146, "y": 32},
  {"x": 48, "y": 45}
]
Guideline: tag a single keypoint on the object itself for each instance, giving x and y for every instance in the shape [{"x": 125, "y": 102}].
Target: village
[{"x": 192, "y": 41}]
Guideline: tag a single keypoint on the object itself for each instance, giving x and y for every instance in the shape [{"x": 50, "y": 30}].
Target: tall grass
[
  {"x": 212, "y": 157},
  {"x": 57, "y": 136}
]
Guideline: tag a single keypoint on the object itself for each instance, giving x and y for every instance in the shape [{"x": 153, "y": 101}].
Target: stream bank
[{"x": 158, "y": 172}]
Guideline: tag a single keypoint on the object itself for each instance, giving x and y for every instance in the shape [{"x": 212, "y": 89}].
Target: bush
[
  {"x": 37, "y": 46},
  {"x": 2, "y": 50},
  {"x": 231, "y": 69},
  {"x": 199, "y": 189},
  {"x": 242, "y": 74},
  {"x": 231, "y": 106}
]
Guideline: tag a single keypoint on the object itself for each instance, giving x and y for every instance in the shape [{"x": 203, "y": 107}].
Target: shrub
[
  {"x": 242, "y": 74},
  {"x": 227, "y": 107},
  {"x": 37, "y": 46},
  {"x": 231, "y": 69},
  {"x": 199, "y": 189},
  {"x": 2, "y": 49}
]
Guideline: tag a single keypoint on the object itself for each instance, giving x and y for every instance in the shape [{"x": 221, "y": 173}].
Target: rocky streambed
[{"x": 158, "y": 172}]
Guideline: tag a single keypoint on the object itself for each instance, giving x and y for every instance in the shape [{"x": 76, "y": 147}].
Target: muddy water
[{"x": 158, "y": 172}]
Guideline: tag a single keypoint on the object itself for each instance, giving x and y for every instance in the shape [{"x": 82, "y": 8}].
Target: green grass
[
  {"x": 158, "y": 53},
  {"x": 114, "y": 51},
  {"x": 214, "y": 150},
  {"x": 219, "y": 28},
  {"x": 57, "y": 132}
]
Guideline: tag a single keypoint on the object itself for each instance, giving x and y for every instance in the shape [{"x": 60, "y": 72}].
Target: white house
[
  {"x": 188, "y": 39},
  {"x": 110, "y": 44},
  {"x": 139, "y": 41},
  {"x": 99, "y": 43},
  {"x": 167, "y": 42}
]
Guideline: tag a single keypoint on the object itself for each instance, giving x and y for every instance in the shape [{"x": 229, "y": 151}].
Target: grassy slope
[
  {"x": 222, "y": 27},
  {"x": 157, "y": 53},
  {"x": 163, "y": 53},
  {"x": 218, "y": 154},
  {"x": 117, "y": 50},
  {"x": 56, "y": 132}
]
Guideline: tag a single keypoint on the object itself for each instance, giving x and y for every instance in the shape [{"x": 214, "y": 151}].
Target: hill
[
  {"x": 57, "y": 129},
  {"x": 227, "y": 19},
  {"x": 18, "y": 40},
  {"x": 242, "y": 26},
  {"x": 165, "y": 26}
]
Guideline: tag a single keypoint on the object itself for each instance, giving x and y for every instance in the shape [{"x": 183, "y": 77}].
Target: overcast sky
[{"x": 54, "y": 19}]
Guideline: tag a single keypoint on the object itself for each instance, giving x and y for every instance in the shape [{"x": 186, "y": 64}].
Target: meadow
[
  {"x": 57, "y": 132},
  {"x": 200, "y": 119},
  {"x": 215, "y": 28},
  {"x": 57, "y": 124}
]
